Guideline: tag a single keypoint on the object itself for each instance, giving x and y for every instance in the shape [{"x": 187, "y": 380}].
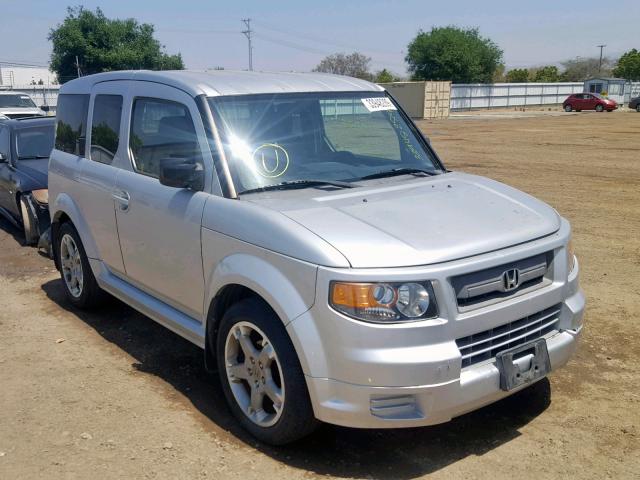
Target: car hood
[
  {"x": 18, "y": 112},
  {"x": 417, "y": 221},
  {"x": 36, "y": 171}
]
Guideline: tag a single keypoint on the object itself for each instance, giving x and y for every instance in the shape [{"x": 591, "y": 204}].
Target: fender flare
[
  {"x": 273, "y": 287},
  {"x": 64, "y": 204}
]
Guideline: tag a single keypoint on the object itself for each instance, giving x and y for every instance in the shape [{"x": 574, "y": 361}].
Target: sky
[{"x": 297, "y": 34}]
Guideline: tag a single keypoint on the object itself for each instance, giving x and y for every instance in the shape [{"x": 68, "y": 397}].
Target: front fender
[
  {"x": 286, "y": 284},
  {"x": 63, "y": 204}
]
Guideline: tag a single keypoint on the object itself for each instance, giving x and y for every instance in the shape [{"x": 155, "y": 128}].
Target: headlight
[
  {"x": 384, "y": 302},
  {"x": 41, "y": 196},
  {"x": 571, "y": 257}
]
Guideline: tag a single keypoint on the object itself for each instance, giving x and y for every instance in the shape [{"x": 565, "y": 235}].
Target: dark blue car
[{"x": 25, "y": 146}]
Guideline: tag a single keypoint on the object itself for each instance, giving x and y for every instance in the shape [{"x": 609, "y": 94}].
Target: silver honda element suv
[{"x": 303, "y": 232}]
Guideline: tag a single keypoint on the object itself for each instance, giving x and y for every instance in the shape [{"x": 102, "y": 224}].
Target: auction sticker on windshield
[{"x": 378, "y": 104}]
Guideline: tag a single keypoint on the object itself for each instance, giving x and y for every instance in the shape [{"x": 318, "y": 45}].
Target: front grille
[
  {"x": 486, "y": 345},
  {"x": 488, "y": 286}
]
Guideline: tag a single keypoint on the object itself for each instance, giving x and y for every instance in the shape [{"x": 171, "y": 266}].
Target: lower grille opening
[{"x": 486, "y": 345}]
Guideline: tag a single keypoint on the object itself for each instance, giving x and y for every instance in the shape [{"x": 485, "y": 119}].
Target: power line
[
  {"x": 249, "y": 34},
  {"x": 320, "y": 40},
  {"x": 11, "y": 63}
]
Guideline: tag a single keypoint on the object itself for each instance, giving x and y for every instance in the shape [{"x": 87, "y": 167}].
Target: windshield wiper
[
  {"x": 399, "y": 171},
  {"x": 298, "y": 184},
  {"x": 32, "y": 157}
]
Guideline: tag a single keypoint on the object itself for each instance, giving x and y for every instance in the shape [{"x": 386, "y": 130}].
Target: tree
[
  {"x": 580, "y": 69},
  {"x": 628, "y": 66},
  {"x": 102, "y": 44},
  {"x": 499, "y": 75},
  {"x": 353, "y": 65},
  {"x": 452, "y": 53},
  {"x": 518, "y": 75},
  {"x": 546, "y": 74},
  {"x": 385, "y": 76}
]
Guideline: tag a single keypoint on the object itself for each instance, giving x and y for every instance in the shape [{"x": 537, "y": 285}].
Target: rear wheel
[
  {"x": 567, "y": 108},
  {"x": 80, "y": 285},
  {"x": 29, "y": 222},
  {"x": 599, "y": 108},
  {"x": 261, "y": 376}
]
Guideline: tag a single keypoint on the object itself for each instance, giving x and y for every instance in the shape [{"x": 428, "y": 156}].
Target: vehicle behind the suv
[
  {"x": 18, "y": 105},
  {"x": 302, "y": 231}
]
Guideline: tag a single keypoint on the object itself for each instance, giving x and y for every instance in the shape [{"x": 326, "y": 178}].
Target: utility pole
[
  {"x": 249, "y": 34},
  {"x": 600, "y": 64},
  {"x": 78, "y": 67}
]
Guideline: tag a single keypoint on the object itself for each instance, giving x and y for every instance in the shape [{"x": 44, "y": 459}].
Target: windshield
[
  {"x": 17, "y": 100},
  {"x": 34, "y": 142},
  {"x": 270, "y": 139}
]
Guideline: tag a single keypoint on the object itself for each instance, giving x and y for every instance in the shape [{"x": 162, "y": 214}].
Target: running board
[{"x": 167, "y": 316}]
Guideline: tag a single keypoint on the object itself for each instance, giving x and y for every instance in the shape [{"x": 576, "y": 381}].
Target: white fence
[{"x": 467, "y": 96}]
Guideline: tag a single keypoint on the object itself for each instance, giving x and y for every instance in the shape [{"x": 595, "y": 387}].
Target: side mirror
[
  {"x": 180, "y": 173},
  {"x": 45, "y": 108}
]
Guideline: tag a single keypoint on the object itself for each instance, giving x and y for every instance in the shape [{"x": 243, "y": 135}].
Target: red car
[{"x": 588, "y": 101}]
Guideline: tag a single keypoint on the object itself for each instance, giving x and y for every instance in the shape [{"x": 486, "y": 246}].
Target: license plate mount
[{"x": 523, "y": 364}]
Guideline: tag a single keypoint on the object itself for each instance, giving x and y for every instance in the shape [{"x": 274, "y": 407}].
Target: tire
[
  {"x": 638, "y": 108},
  {"x": 29, "y": 222},
  {"x": 567, "y": 108},
  {"x": 80, "y": 285},
  {"x": 599, "y": 108},
  {"x": 248, "y": 368}
]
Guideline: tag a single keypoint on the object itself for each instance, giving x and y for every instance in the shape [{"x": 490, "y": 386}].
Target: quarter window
[
  {"x": 161, "y": 129},
  {"x": 105, "y": 127},
  {"x": 71, "y": 127}
]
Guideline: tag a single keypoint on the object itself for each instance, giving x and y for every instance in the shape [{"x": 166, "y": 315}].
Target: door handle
[{"x": 122, "y": 198}]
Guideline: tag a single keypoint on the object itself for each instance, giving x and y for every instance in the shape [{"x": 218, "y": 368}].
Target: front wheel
[
  {"x": 599, "y": 108},
  {"x": 261, "y": 376},
  {"x": 638, "y": 108},
  {"x": 80, "y": 285},
  {"x": 567, "y": 108}
]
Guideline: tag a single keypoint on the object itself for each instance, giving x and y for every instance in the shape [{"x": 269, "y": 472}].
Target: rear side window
[
  {"x": 71, "y": 127},
  {"x": 161, "y": 129},
  {"x": 105, "y": 127}
]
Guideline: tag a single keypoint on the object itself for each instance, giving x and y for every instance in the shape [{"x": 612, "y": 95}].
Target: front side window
[
  {"x": 161, "y": 129},
  {"x": 277, "y": 138},
  {"x": 71, "y": 129},
  {"x": 34, "y": 142},
  {"x": 16, "y": 101},
  {"x": 105, "y": 127}
]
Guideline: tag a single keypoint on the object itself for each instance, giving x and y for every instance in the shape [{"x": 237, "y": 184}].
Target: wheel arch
[
  {"x": 233, "y": 281},
  {"x": 62, "y": 210}
]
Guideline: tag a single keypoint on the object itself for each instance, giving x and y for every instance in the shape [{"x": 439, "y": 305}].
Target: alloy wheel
[
  {"x": 71, "y": 265},
  {"x": 254, "y": 374}
]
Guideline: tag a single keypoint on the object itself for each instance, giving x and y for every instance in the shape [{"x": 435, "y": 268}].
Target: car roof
[
  {"x": 228, "y": 82},
  {"x": 16, "y": 123}
]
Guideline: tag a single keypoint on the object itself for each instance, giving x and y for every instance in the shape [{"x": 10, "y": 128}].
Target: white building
[{"x": 11, "y": 76}]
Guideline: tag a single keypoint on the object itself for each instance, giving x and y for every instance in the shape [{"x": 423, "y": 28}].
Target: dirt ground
[{"x": 113, "y": 395}]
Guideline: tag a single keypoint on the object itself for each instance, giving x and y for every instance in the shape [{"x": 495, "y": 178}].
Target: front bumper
[
  {"x": 361, "y": 406},
  {"x": 407, "y": 375}
]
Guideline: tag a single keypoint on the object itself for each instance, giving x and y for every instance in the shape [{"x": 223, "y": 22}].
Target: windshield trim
[{"x": 212, "y": 121}]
